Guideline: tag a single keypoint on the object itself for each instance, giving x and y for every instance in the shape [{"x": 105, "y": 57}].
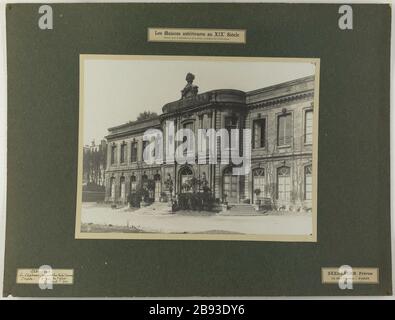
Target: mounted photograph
[{"x": 197, "y": 148}]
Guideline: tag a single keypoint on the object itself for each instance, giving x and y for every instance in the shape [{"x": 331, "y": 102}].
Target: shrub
[
  {"x": 135, "y": 198},
  {"x": 196, "y": 201}
]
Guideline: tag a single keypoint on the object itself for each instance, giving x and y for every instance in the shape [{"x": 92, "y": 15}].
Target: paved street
[{"x": 155, "y": 218}]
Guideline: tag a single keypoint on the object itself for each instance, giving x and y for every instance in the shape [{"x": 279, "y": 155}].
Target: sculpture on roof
[{"x": 190, "y": 90}]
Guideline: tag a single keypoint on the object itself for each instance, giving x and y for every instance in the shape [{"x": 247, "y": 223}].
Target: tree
[
  {"x": 146, "y": 115},
  {"x": 94, "y": 163}
]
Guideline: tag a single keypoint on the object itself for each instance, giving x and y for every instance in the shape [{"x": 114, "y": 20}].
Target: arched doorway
[
  {"x": 229, "y": 186},
  {"x": 258, "y": 182},
  {"x": 185, "y": 176},
  {"x": 158, "y": 187}
]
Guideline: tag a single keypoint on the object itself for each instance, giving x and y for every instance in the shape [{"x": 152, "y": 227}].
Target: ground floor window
[
  {"x": 283, "y": 184},
  {"x": 122, "y": 188},
  {"x": 144, "y": 180},
  {"x": 133, "y": 183},
  {"x": 158, "y": 187},
  {"x": 308, "y": 182},
  {"x": 112, "y": 188}
]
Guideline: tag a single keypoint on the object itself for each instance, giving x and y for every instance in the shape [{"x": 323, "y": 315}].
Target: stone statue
[{"x": 190, "y": 90}]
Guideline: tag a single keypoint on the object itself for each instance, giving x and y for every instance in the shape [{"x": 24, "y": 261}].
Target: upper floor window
[
  {"x": 123, "y": 152},
  {"x": 259, "y": 133},
  {"x": 308, "y": 127},
  {"x": 113, "y": 150},
  {"x": 284, "y": 129},
  {"x": 133, "y": 152},
  {"x": 231, "y": 123},
  {"x": 188, "y": 125},
  {"x": 145, "y": 144}
]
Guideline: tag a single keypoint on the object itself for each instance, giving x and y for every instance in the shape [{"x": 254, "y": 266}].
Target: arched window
[
  {"x": 186, "y": 176},
  {"x": 122, "y": 188},
  {"x": 158, "y": 187},
  {"x": 258, "y": 183},
  {"x": 133, "y": 184},
  {"x": 112, "y": 188},
  {"x": 144, "y": 180},
  {"x": 284, "y": 183},
  {"x": 308, "y": 182}
]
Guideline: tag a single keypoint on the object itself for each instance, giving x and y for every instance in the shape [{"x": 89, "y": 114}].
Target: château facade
[{"x": 281, "y": 121}]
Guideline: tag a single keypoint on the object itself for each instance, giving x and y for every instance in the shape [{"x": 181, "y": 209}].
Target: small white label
[
  {"x": 35, "y": 276},
  {"x": 355, "y": 275}
]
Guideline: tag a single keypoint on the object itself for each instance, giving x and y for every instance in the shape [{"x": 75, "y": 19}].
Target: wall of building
[{"x": 294, "y": 99}]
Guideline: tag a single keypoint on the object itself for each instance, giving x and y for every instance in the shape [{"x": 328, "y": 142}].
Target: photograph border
[{"x": 197, "y": 236}]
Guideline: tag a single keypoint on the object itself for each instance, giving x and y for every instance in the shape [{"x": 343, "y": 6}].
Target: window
[
  {"x": 308, "y": 182},
  {"x": 189, "y": 126},
  {"x": 113, "y": 150},
  {"x": 284, "y": 129},
  {"x": 112, "y": 188},
  {"x": 308, "y": 127},
  {"x": 123, "y": 152},
  {"x": 133, "y": 152},
  {"x": 145, "y": 144},
  {"x": 230, "y": 124},
  {"x": 259, "y": 183},
  {"x": 259, "y": 133},
  {"x": 144, "y": 180},
  {"x": 158, "y": 187},
  {"x": 122, "y": 188},
  {"x": 283, "y": 184},
  {"x": 133, "y": 184}
]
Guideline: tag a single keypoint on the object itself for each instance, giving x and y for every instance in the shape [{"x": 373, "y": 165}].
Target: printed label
[
  {"x": 33, "y": 276},
  {"x": 359, "y": 275},
  {"x": 196, "y": 35}
]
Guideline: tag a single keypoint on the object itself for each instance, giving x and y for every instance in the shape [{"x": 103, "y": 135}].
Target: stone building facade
[{"x": 281, "y": 121}]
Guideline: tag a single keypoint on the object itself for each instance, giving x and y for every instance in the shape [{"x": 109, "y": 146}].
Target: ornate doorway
[
  {"x": 230, "y": 186},
  {"x": 185, "y": 176}
]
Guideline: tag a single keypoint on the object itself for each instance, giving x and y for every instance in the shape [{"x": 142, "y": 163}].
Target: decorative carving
[{"x": 190, "y": 90}]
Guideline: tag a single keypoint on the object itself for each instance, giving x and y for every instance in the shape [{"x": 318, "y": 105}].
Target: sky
[{"x": 116, "y": 91}]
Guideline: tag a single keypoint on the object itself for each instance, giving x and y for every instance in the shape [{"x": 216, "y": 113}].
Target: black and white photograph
[
  {"x": 197, "y": 148},
  {"x": 193, "y": 151}
]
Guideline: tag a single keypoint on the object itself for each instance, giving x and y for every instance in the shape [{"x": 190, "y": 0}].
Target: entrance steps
[{"x": 241, "y": 209}]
